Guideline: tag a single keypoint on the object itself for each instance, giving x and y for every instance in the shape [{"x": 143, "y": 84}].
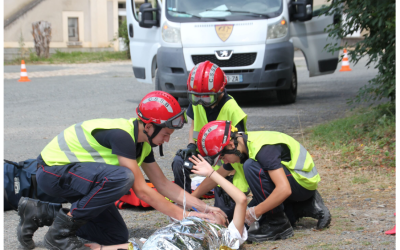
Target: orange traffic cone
[
  {"x": 345, "y": 62},
  {"x": 24, "y": 74}
]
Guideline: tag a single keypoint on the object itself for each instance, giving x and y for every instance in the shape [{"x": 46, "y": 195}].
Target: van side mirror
[
  {"x": 302, "y": 10},
  {"x": 145, "y": 16}
]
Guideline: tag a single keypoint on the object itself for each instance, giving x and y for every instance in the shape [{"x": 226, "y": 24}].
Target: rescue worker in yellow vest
[
  {"x": 209, "y": 101},
  {"x": 280, "y": 172},
  {"x": 94, "y": 163}
]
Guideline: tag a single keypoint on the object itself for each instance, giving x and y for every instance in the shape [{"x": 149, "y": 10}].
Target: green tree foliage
[
  {"x": 123, "y": 32},
  {"x": 379, "y": 20}
]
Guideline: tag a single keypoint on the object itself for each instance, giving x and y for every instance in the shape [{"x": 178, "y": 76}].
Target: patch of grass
[
  {"x": 386, "y": 243},
  {"x": 365, "y": 138},
  {"x": 360, "y": 180},
  {"x": 321, "y": 246},
  {"x": 360, "y": 228},
  {"x": 339, "y": 208},
  {"x": 366, "y": 243},
  {"x": 298, "y": 235},
  {"x": 73, "y": 57}
]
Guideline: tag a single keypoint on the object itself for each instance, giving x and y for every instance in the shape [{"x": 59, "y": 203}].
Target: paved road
[{"x": 60, "y": 95}]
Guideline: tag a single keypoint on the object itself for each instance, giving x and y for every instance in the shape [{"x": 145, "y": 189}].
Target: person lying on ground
[{"x": 236, "y": 230}]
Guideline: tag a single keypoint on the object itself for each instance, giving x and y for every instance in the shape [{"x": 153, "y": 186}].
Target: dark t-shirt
[
  {"x": 269, "y": 156},
  {"x": 212, "y": 113},
  {"x": 121, "y": 143}
]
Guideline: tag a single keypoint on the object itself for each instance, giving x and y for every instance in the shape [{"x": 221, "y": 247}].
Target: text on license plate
[{"x": 235, "y": 78}]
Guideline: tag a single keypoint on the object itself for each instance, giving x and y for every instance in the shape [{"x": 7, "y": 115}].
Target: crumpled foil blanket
[{"x": 191, "y": 233}]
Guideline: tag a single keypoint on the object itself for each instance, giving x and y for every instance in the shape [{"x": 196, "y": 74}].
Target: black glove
[
  {"x": 209, "y": 160},
  {"x": 189, "y": 151}
]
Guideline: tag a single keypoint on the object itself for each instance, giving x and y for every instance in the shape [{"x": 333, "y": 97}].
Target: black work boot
[
  {"x": 32, "y": 215},
  {"x": 274, "y": 226},
  {"x": 314, "y": 208},
  {"x": 62, "y": 234}
]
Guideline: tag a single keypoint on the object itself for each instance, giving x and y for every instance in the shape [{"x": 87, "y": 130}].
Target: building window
[{"x": 73, "y": 33}]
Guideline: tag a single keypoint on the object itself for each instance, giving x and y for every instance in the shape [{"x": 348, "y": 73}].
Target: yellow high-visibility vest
[
  {"x": 301, "y": 165},
  {"x": 229, "y": 112},
  {"x": 76, "y": 143}
]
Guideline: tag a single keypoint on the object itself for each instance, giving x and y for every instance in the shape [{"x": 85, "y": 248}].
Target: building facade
[{"x": 90, "y": 24}]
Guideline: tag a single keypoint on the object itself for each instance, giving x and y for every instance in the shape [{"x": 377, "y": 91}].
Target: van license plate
[{"x": 235, "y": 78}]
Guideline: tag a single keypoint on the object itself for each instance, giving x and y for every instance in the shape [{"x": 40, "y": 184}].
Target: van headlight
[
  {"x": 171, "y": 34},
  {"x": 278, "y": 29}
]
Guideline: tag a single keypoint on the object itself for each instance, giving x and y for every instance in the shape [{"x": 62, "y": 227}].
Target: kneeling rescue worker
[
  {"x": 209, "y": 101},
  {"x": 280, "y": 172},
  {"x": 94, "y": 163}
]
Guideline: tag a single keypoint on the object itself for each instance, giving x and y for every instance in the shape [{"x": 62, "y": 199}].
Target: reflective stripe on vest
[
  {"x": 62, "y": 143},
  {"x": 85, "y": 144},
  {"x": 300, "y": 164},
  {"x": 229, "y": 112}
]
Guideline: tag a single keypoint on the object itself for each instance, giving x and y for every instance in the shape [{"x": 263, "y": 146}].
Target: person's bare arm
[
  {"x": 208, "y": 184},
  {"x": 203, "y": 168},
  {"x": 173, "y": 191},
  {"x": 281, "y": 192},
  {"x": 191, "y": 140},
  {"x": 147, "y": 194}
]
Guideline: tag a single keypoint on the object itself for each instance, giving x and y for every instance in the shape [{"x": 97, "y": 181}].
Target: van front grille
[{"x": 237, "y": 60}]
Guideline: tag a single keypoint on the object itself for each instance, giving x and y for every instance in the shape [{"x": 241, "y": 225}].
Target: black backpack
[{"x": 20, "y": 181}]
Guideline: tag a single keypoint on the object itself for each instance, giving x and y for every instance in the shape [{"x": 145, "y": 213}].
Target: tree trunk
[{"x": 41, "y": 32}]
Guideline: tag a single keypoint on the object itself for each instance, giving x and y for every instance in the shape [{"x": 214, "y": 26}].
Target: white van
[{"x": 251, "y": 40}]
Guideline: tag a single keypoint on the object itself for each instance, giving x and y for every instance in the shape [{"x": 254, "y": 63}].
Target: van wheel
[{"x": 288, "y": 96}]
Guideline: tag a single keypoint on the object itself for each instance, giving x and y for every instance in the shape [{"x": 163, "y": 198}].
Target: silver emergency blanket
[{"x": 191, "y": 233}]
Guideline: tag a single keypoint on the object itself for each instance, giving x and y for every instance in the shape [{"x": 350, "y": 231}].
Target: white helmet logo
[
  {"x": 159, "y": 100},
  {"x": 211, "y": 76}
]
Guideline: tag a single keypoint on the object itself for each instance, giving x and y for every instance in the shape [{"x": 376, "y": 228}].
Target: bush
[{"x": 378, "y": 19}]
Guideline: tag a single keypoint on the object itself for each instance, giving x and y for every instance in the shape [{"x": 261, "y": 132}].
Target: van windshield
[{"x": 221, "y": 10}]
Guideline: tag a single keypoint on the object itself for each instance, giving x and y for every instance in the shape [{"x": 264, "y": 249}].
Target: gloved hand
[
  {"x": 190, "y": 150},
  {"x": 250, "y": 216}
]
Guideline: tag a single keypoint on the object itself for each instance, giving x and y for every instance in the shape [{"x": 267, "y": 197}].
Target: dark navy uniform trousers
[
  {"x": 261, "y": 185},
  {"x": 92, "y": 189},
  {"x": 177, "y": 165}
]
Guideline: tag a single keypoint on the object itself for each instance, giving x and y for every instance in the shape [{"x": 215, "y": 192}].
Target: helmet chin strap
[
  {"x": 235, "y": 151},
  {"x": 157, "y": 130},
  {"x": 243, "y": 157}
]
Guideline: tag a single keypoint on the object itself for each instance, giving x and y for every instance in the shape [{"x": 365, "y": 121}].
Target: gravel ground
[{"x": 35, "y": 112}]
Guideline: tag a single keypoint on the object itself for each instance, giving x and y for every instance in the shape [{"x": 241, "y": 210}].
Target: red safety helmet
[
  {"x": 162, "y": 110},
  {"x": 206, "y": 81},
  {"x": 213, "y": 137}
]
